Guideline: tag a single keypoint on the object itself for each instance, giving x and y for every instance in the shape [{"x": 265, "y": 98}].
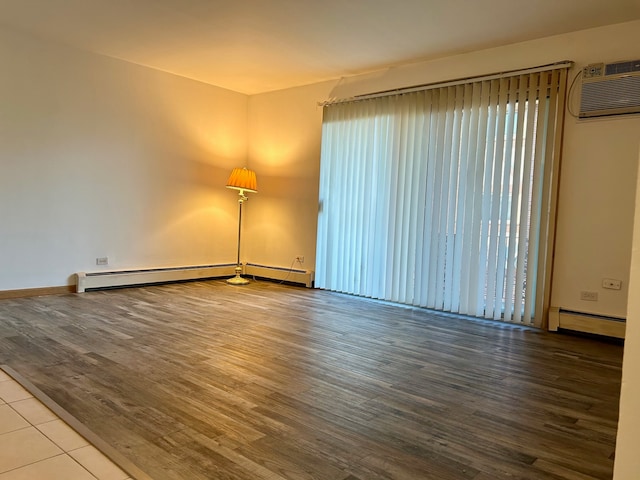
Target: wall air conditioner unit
[{"x": 610, "y": 89}]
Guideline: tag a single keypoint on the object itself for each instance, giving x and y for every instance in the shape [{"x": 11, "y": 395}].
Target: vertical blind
[{"x": 441, "y": 198}]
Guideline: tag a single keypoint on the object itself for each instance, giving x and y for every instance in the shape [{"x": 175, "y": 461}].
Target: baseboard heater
[
  {"x": 148, "y": 276},
  {"x": 125, "y": 278},
  {"x": 586, "y": 322},
  {"x": 289, "y": 275}
]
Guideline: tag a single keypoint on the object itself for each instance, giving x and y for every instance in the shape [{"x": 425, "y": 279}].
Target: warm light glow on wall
[
  {"x": 221, "y": 137},
  {"x": 284, "y": 139},
  {"x": 278, "y": 155},
  {"x": 220, "y": 142},
  {"x": 291, "y": 158},
  {"x": 206, "y": 211}
]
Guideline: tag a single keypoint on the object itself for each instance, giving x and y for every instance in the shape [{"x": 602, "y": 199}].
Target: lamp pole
[{"x": 238, "y": 280}]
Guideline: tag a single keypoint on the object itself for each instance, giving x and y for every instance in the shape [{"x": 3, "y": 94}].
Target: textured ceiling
[{"x": 253, "y": 46}]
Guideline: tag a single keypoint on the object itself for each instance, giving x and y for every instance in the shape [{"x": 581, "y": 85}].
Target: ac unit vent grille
[
  {"x": 622, "y": 67},
  {"x": 612, "y": 95}
]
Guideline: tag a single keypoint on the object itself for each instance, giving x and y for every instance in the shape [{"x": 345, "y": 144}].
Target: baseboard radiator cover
[
  {"x": 290, "y": 275},
  {"x": 124, "y": 278},
  {"x": 586, "y": 322}
]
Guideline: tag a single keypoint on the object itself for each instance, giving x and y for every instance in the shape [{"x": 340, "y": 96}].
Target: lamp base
[{"x": 238, "y": 280}]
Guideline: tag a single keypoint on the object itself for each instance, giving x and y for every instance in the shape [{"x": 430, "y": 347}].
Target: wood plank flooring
[{"x": 204, "y": 380}]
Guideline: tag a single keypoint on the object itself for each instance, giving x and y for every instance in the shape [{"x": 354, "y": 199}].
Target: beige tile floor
[{"x": 35, "y": 444}]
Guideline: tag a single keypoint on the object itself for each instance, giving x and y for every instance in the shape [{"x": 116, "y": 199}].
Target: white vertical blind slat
[
  {"x": 402, "y": 192},
  {"x": 393, "y": 254},
  {"x": 496, "y": 196},
  {"x": 354, "y": 189},
  {"x": 515, "y": 199},
  {"x": 487, "y": 196},
  {"x": 476, "y": 284},
  {"x": 452, "y": 205},
  {"x": 468, "y": 204},
  {"x": 418, "y": 180},
  {"x": 544, "y": 112},
  {"x": 432, "y": 159},
  {"x": 525, "y": 204},
  {"x": 414, "y": 211},
  {"x": 458, "y": 280},
  {"x": 383, "y": 201},
  {"x": 437, "y": 218},
  {"x": 505, "y": 204},
  {"x": 447, "y": 126}
]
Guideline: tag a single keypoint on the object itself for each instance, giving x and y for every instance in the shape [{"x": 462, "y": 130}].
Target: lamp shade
[{"x": 243, "y": 179}]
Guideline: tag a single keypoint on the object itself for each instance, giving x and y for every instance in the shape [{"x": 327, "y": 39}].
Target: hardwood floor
[{"x": 205, "y": 380}]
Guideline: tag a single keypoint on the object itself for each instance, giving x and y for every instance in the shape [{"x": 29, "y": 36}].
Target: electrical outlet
[
  {"x": 589, "y": 296},
  {"x": 102, "y": 261},
  {"x": 300, "y": 258},
  {"x": 611, "y": 283}
]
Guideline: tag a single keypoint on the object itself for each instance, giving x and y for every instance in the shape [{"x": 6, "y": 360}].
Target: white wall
[
  {"x": 627, "y": 464},
  {"x": 284, "y": 149},
  {"x": 595, "y": 220},
  {"x": 597, "y": 183},
  {"x": 100, "y": 157}
]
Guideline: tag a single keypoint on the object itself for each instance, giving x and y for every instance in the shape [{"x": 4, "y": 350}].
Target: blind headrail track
[{"x": 450, "y": 83}]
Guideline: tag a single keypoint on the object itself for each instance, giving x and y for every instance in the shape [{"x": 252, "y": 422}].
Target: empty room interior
[{"x": 320, "y": 240}]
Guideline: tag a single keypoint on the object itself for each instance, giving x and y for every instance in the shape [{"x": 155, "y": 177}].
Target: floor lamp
[{"x": 242, "y": 180}]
